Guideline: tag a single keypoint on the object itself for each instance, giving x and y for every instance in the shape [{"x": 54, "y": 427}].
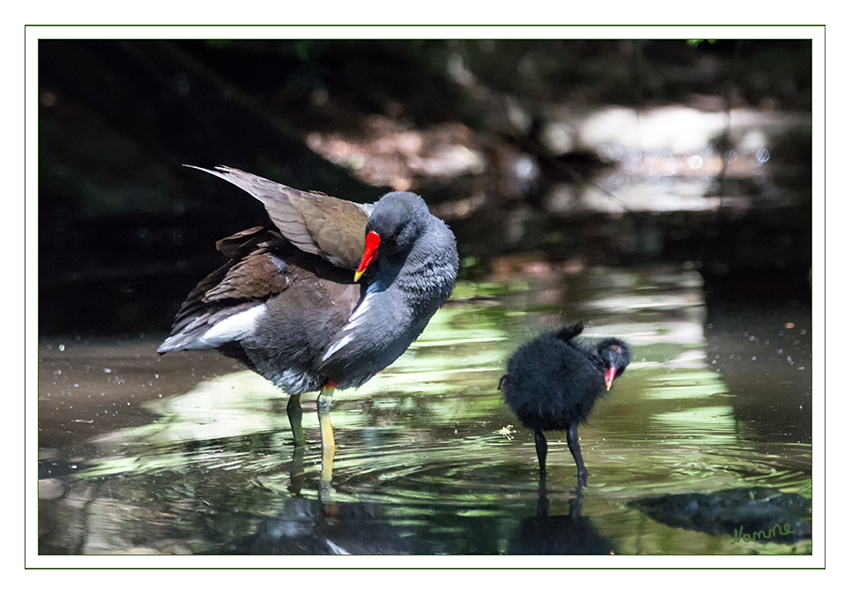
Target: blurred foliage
[{"x": 124, "y": 231}]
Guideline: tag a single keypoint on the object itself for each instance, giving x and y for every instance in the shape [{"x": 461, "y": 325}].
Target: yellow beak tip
[{"x": 357, "y": 276}]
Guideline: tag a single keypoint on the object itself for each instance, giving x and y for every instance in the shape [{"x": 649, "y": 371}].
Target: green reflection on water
[
  {"x": 697, "y": 383},
  {"x": 702, "y": 419},
  {"x": 423, "y": 437}
]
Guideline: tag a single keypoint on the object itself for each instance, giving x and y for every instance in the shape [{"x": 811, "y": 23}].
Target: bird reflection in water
[{"x": 569, "y": 534}]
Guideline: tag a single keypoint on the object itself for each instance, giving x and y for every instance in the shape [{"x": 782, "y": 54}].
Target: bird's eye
[{"x": 392, "y": 236}]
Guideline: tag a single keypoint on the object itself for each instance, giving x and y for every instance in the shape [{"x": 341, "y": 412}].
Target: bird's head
[
  {"x": 616, "y": 355},
  {"x": 393, "y": 226}
]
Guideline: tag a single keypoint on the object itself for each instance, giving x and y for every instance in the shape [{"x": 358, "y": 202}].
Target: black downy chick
[{"x": 554, "y": 381}]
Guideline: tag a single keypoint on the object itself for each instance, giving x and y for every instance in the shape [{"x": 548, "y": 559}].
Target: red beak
[
  {"x": 609, "y": 377},
  {"x": 373, "y": 240}
]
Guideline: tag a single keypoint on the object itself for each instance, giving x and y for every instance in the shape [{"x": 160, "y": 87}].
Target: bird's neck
[
  {"x": 590, "y": 349},
  {"x": 424, "y": 276}
]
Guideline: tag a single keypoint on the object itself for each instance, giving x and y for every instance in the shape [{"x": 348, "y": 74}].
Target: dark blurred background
[{"x": 498, "y": 135}]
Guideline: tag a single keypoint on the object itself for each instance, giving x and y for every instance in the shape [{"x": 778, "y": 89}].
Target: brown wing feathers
[
  {"x": 315, "y": 223},
  {"x": 252, "y": 274}
]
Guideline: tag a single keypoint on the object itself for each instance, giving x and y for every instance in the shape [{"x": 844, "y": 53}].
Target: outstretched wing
[{"x": 315, "y": 223}]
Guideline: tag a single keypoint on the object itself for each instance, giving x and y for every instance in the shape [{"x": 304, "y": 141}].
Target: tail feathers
[
  {"x": 567, "y": 334},
  {"x": 213, "y": 329},
  {"x": 172, "y": 343}
]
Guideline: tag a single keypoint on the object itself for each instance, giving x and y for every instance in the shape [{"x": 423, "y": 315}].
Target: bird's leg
[
  {"x": 542, "y": 498},
  {"x": 325, "y": 491},
  {"x": 296, "y": 471},
  {"x": 293, "y": 411},
  {"x": 540, "y": 444},
  {"x": 575, "y": 450},
  {"x": 323, "y": 405}
]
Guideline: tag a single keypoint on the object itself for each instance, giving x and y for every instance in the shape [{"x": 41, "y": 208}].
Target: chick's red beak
[
  {"x": 609, "y": 377},
  {"x": 373, "y": 240}
]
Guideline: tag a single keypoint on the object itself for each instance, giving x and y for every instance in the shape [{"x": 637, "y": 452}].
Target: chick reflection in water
[{"x": 569, "y": 534}]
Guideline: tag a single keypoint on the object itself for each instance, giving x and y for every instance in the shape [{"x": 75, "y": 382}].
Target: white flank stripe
[
  {"x": 337, "y": 345},
  {"x": 357, "y": 318},
  {"x": 233, "y": 328},
  {"x": 362, "y": 308}
]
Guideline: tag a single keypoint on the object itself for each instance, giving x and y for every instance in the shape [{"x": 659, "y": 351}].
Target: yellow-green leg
[
  {"x": 327, "y": 467},
  {"x": 323, "y": 405},
  {"x": 293, "y": 411}
]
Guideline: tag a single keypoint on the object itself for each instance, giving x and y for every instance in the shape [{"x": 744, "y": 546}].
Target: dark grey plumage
[{"x": 286, "y": 303}]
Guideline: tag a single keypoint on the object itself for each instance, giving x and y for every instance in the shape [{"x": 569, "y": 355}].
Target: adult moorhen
[
  {"x": 290, "y": 303},
  {"x": 553, "y": 382}
]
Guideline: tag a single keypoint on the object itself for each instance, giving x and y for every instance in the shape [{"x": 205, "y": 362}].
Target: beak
[
  {"x": 373, "y": 240},
  {"x": 609, "y": 377}
]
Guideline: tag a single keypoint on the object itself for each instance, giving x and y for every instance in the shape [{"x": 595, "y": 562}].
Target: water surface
[{"x": 188, "y": 453}]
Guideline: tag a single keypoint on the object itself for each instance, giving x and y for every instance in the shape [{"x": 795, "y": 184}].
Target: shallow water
[{"x": 189, "y": 454}]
